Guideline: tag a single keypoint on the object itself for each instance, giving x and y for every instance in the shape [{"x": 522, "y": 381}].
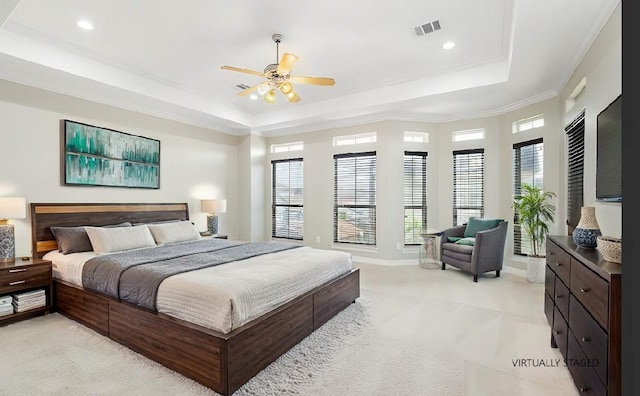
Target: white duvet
[{"x": 225, "y": 297}]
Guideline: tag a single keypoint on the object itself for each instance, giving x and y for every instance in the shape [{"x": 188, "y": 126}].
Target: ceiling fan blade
[
  {"x": 286, "y": 63},
  {"x": 313, "y": 80},
  {"x": 256, "y": 73},
  {"x": 247, "y": 91}
]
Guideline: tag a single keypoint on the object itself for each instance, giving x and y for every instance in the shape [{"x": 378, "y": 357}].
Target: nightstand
[
  {"x": 22, "y": 276},
  {"x": 207, "y": 234}
]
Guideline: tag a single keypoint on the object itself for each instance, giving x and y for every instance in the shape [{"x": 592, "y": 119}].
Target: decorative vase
[
  {"x": 587, "y": 231},
  {"x": 536, "y": 269}
]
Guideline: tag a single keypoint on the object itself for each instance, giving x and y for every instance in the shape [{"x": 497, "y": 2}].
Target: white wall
[
  {"x": 602, "y": 68},
  {"x": 252, "y": 202},
  {"x": 195, "y": 163}
]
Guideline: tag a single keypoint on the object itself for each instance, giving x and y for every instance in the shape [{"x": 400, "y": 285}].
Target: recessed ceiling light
[
  {"x": 253, "y": 97},
  {"x": 448, "y": 45},
  {"x": 85, "y": 24}
]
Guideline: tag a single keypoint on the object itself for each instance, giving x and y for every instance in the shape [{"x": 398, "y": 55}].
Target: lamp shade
[
  {"x": 270, "y": 96},
  {"x": 13, "y": 208},
  {"x": 214, "y": 205},
  {"x": 286, "y": 87}
]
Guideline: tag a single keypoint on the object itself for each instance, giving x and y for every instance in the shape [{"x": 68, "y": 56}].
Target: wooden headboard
[{"x": 47, "y": 215}]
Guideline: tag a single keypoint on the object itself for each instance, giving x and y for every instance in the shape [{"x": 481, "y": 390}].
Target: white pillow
[
  {"x": 109, "y": 240},
  {"x": 180, "y": 231}
]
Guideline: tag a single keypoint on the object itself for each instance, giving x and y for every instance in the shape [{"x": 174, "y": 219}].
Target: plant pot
[{"x": 535, "y": 269}]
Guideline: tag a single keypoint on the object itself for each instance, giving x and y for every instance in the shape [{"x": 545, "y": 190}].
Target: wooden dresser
[{"x": 583, "y": 307}]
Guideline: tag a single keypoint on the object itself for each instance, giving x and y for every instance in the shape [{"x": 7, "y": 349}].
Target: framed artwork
[{"x": 95, "y": 156}]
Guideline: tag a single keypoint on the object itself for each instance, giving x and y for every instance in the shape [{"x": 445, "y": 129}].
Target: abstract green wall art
[{"x": 95, "y": 156}]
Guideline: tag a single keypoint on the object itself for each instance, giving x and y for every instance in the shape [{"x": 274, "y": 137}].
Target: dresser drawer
[
  {"x": 584, "y": 377},
  {"x": 18, "y": 278},
  {"x": 562, "y": 298},
  {"x": 549, "y": 280},
  {"x": 559, "y": 332},
  {"x": 591, "y": 338},
  {"x": 592, "y": 291},
  {"x": 559, "y": 261},
  {"x": 548, "y": 308}
]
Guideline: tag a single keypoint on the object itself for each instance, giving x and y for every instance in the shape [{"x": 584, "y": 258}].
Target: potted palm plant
[{"x": 534, "y": 212}]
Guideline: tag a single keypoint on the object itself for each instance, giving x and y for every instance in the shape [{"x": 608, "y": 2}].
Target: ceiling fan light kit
[
  {"x": 270, "y": 96},
  {"x": 279, "y": 77},
  {"x": 286, "y": 87}
]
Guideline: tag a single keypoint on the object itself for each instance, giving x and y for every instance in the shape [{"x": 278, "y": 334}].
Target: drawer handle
[
  {"x": 558, "y": 296},
  {"x": 584, "y": 389},
  {"x": 18, "y": 270},
  {"x": 558, "y": 264},
  {"x": 556, "y": 332},
  {"x": 551, "y": 253},
  {"x": 584, "y": 289},
  {"x": 17, "y": 283},
  {"x": 586, "y": 339}
]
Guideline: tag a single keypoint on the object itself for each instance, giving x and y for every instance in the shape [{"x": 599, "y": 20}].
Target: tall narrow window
[
  {"x": 354, "y": 213},
  {"x": 415, "y": 196},
  {"x": 575, "y": 170},
  {"x": 468, "y": 185},
  {"x": 287, "y": 200},
  {"x": 527, "y": 169}
]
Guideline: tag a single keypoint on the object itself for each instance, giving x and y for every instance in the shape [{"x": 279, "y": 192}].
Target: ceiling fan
[{"x": 279, "y": 77}]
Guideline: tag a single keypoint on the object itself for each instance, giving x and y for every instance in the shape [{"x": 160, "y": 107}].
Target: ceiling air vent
[
  {"x": 427, "y": 28},
  {"x": 242, "y": 86}
]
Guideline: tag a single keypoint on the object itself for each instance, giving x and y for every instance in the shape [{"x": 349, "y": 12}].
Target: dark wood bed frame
[{"x": 222, "y": 362}]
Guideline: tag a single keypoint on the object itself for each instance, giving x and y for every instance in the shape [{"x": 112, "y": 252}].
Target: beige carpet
[{"x": 53, "y": 355}]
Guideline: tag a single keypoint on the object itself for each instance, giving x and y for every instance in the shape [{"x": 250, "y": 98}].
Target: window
[
  {"x": 527, "y": 169},
  {"x": 416, "y": 137},
  {"x": 287, "y": 209},
  {"x": 354, "y": 213},
  {"x": 286, "y": 147},
  {"x": 361, "y": 138},
  {"x": 470, "y": 134},
  {"x": 575, "y": 170},
  {"x": 415, "y": 196},
  {"x": 576, "y": 94},
  {"x": 468, "y": 185},
  {"x": 528, "y": 123}
]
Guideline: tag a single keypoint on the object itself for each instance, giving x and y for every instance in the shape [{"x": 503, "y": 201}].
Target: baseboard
[
  {"x": 386, "y": 262},
  {"x": 514, "y": 263}
]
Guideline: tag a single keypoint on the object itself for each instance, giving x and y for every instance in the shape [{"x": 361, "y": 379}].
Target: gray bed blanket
[{"x": 134, "y": 276}]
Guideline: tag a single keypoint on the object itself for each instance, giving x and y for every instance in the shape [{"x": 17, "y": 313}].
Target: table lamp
[
  {"x": 10, "y": 208},
  {"x": 213, "y": 207}
]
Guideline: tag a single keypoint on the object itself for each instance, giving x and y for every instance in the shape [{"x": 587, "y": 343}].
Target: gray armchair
[{"x": 486, "y": 254}]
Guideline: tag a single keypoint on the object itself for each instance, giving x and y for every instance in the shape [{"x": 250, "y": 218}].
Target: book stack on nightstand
[
  {"x": 29, "y": 300},
  {"x": 6, "y": 308}
]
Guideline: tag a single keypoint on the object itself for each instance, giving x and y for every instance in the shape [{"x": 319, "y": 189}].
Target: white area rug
[{"x": 53, "y": 355}]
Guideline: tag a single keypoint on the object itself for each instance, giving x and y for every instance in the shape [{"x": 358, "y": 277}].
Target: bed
[{"x": 221, "y": 355}]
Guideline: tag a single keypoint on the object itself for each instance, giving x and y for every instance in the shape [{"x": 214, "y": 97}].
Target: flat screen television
[{"x": 609, "y": 153}]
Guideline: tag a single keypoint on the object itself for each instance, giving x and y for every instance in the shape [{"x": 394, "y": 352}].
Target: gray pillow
[{"x": 75, "y": 239}]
